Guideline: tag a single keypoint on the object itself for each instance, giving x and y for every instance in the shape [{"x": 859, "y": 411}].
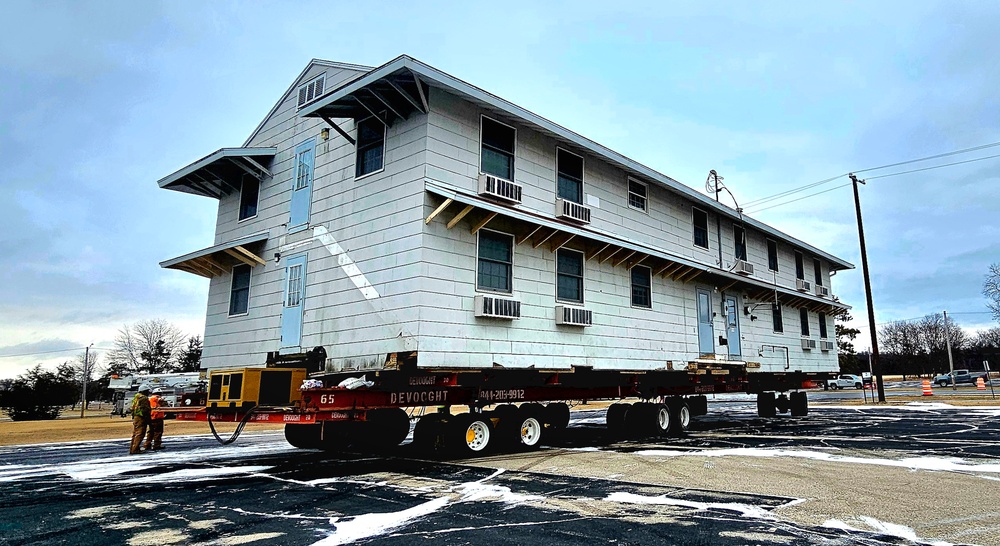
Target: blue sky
[{"x": 99, "y": 100}]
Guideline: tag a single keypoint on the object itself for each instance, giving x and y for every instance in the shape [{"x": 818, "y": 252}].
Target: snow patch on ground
[
  {"x": 245, "y": 539},
  {"x": 745, "y": 510},
  {"x": 208, "y": 523},
  {"x": 885, "y": 528},
  {"x": 197, "y": 474},
  {"x": 158, "y": 538},
  {"x": 912, "y": 463},
  {"x": 93, "y": 512}
]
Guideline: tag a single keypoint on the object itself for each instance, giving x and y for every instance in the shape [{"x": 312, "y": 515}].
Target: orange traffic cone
[
  {"x": 980, "y": 384},
  {"x": 927, "y": 388}
]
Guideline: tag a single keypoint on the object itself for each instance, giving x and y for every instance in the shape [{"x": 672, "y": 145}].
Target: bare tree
[
  {"x": 991, "y": 289},
  {"x": 148, "y": 346}
]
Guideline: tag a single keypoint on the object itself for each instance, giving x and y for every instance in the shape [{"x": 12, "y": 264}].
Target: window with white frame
[
  {"x": 370, "y": 147},
  {"x": 642, "y": 292},
  {"x": 249, "y": 194},
  {"x": 496, "y": 253},
  {"x": 776, "y": 321},
  {"x": 311, "y": 90},
  {"x": 700, "y": 218},
  {"x": 497, "y": 150},
  {"x": 294, "y": 286},
  {"x": 569, "y": 275},
  {"x": 239, "y": 291},
  {"x": 569, "y": 175},
  {"x": 740, "y": 243},
  {"x": 637, "y": 195}
]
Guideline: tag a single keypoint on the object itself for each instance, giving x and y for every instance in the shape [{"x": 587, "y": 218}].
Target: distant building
[{"x": 399, "y": 210}]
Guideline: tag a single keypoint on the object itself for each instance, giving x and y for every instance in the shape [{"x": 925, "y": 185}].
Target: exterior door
[
  {"x": 291, "y": 309},
  {"x": 302, "y": 186},
  {"x": 706, "y": 333},
  {"x": 733, "y": 328}
]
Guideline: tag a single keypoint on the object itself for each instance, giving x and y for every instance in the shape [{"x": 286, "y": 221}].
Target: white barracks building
[{"x": 399, "y": 210}]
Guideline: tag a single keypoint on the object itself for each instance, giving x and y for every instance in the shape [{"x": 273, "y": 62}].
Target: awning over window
[
  {"x": 221, "y": 172},
  {"x": 219, "y": 259}
]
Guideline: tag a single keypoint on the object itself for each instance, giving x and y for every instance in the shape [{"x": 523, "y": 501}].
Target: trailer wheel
[
  {"x": 663, "y": 419},
  {"x": 530, "y": 427},
  {"x": 339, "y": 435},
  {"x": 471, "y": 433},
  {"x": 680, "y": 414},
  {"x": 800, "y": 404},
  {"x": 428, "y": 433},
  {"x": 385, "y": 427},
  {"x": 765, "y": 404},
  {"x": 303, "y": 436},
  {"x": 641, "y": 420},
  {"x": 698, "y": 405},
  {"x": 615, "y": 418}
]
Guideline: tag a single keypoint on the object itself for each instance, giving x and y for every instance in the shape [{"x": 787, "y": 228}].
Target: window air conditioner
[
  {"x": 808, "y": 343},
  {"x": 574, "y": 316},
  {"x": 826, "y": 345},
  {"x": 743, "y": 267},
  {"x": 493, "y": 307},
  {"x": 823, "y": 291},
  {"x": 802, "y": 285},
  {"x": 492, "y": 186},
  {"x": 572, "y": 211}
]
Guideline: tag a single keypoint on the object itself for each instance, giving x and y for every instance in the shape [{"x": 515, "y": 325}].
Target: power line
[
  {"x": 933, "y": 167},
  {"x": 54, "y": 352},
  {"x": 769, "y": 198}
]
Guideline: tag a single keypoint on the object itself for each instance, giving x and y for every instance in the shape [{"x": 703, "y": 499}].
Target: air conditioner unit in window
[
  {"x": 803, "y": 285},
  {"x": 572, "y": 211},
  {"x": 492, "y": 186},
  {"x": 823, "y": 291},
  {"x": 743, "y": 267},
  {"x": 574, "y": 316},
  {"x": 826, "y": 345},
  {"x": 494, "y": 307},
  {"x": 808, "y": 343}
]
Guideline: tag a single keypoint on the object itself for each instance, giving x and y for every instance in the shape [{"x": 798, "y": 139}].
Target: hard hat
[{"x": 144, "y": 388}]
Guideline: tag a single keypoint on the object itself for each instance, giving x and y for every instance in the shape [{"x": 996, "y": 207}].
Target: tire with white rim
[
  {"x": 680, "y": 413},
  {"x": 663, "y": 420},
  {"x": 530, "y": 427},
  {"x": 471, "y": 434}
]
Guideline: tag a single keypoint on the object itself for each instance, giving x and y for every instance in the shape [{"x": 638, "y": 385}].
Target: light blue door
[
  {"x": 733, "y": 328},
  {"x": 291, "y": 309},
  {"x": 706, "y": 333},
  {"x": 302, "y": 183}
]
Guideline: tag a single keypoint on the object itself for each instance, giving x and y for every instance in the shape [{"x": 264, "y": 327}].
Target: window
[
  {"x": 495, "y": 261},
  {"x": 311, "y": 90},
  {"x": 818, "y": 272},
  {"x": 303, "y": 167},
  {"x": 642, "y": 287},
  {"x": 799, "y": 269},
  {"x": 740, "y": 242},
  {"x": 804, "y": 320},
  {"x": 569, "y": 275},
  {"x": 294, "y": 289},
  {"x": 700, "y": 228},
  {"x": 637, "y": 195},
  {"x": 776, "y": 320},
  {"x": 249, "y": 193},
  {"x": 569, "y": 175},
  {"x": 239, "y": 292},
  {"x": 497, "y": 154},
  {"x": 822, "y": 325},
  {"x": 371, "y": 147},
  {"x": 772, "y": 255}
]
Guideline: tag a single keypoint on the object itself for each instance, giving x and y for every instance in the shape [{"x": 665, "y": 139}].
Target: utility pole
[
  {"x": 947, "y": 342},
  {"x": 86, "y": 376},
  {"x": 868, "y": 292}
]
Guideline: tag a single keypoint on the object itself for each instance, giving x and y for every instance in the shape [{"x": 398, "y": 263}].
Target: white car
[{"x": 845, "y": 381}]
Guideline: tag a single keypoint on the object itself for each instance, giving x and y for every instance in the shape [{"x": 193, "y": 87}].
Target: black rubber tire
[
  {"x": 662, "y": 419},
  {"x": 799, "y": 404},
  {"x": 680, "y": 416},
  {"x": 385, "y": 427},
  {"x": 338, "y": 436},
  {"x": 698, "y": 405},
  {"x": 615, "y": 418},
  {"x": 765, "y": 404},
  {"x": 527, "y": 430},
  {"x": 942, "y": 383},
  {"x": 469, "y": 435},
  {"x": 428, "y": 433},
  {"x": 640, "y": 419},
  {"x": 858, "y": 386},
  {"x": 303, "y": 436},
  {"x": 557, "y": 415}
]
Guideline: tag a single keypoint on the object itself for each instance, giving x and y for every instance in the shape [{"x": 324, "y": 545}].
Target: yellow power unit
[{"x": 251, "y": 387}]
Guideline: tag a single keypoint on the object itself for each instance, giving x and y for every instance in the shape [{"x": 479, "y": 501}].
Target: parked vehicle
[
  {"x": 960, "y": 376},
  {"x": 845, "y": 381}
]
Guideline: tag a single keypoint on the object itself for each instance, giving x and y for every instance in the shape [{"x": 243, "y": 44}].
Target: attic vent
[{"x": 311, "y": 90}]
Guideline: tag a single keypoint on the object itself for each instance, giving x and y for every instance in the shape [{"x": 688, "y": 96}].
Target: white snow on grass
[
  {"x": 746, "y": 510},
  {"x": 347, "y": 530},
  {"x": 885, "y": 528},
  {"x": 913, "y": 463}
]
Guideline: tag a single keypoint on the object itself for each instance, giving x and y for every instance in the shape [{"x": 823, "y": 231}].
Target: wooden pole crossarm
[
  {"x": 461, "y": 214},
  {"x": 438, "y": 210},
  {"x": 483, "y": 222}
]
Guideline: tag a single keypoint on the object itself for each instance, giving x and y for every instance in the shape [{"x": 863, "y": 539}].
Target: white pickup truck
[{"x": 845, "y": 381}]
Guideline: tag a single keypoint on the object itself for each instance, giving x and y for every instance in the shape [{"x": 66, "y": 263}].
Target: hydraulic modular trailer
[{"x": 370, "y": 411}]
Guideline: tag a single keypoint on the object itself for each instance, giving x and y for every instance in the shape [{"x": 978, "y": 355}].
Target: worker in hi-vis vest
[
  {"x": 140, "y": 418},
  {"x": 154, "y": 439}
]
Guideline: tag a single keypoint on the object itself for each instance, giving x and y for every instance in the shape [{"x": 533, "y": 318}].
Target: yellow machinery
[{"x": 250, "y": 387}]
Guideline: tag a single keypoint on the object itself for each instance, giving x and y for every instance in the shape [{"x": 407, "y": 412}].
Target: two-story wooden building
[{"x": 398, "y": 209}]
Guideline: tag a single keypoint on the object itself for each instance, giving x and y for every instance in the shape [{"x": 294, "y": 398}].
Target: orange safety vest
[{"x": 154, "y": 402}]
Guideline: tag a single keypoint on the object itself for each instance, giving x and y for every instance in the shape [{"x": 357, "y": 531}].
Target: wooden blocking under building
[{"x": 251, "y": 387}]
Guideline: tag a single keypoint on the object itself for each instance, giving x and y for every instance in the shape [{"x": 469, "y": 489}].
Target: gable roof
[{"x": 333, "y": 104}]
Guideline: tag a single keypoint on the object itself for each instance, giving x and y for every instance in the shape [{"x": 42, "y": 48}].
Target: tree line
[{"x": 146, "y": 347}]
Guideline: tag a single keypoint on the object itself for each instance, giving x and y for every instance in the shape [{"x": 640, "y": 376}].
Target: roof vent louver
[
  {"x": 574, "y": 316},
  {"x": 572, "y": 211},
  {"x": 492, "y": 186},
  {"x": 493, "y": 307},
  {"x": 311, "y": 90}
]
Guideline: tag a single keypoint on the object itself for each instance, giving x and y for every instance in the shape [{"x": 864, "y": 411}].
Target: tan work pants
[{"x": 138, "y": 432}]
